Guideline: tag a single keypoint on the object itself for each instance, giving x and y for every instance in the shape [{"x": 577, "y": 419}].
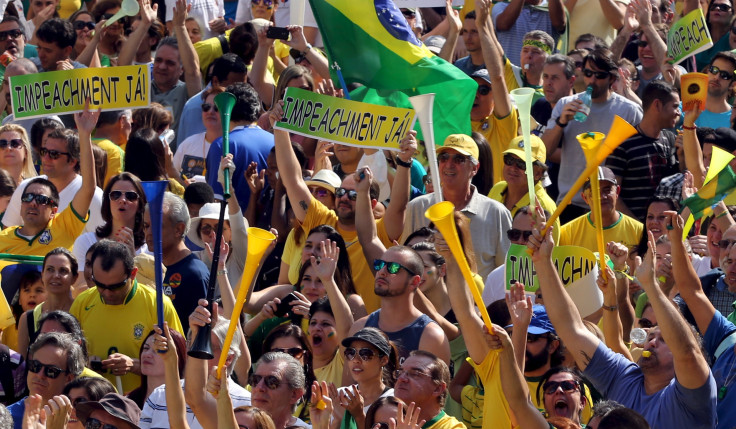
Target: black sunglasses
[
  {"x": 13, "y": 143},
  {"x": 365, "y": 353},
  {"x": 114, "y": 286},
  {"x": 53, "y": 154},
  {"x": 40, "y": 199},
  {"x": 81, "y": 25},
  {"x": 723, "y": 74},
  {"x": 598, "y": 74},
  {"x": 207, "y": 106},
  {"x": 92, "y": 423},
  {"x": 456, "y": 158},
  {"x": 408, "y": 13},
  {"x": 295, "y": 352},
  {"x": 513, "y": 161},
  {"x": 484, "y": 89},
  {"x": 391, "y": 267},
  {"x": 352, "y": 194},
  {"x": 515, "y": 234},
  {"x": 646, "y": 323},
  {"x": 272, "y": 382},
  {"x": 642, "y": 43},
  {"x": 725, "y": 244},
  {"x": 129, "y": 195},
  {"x": 551, "y": 387},
  {"x": 722, "y": 7},
  {"x": 49, "y": 371},
  {"x": 13, "y": 34}
]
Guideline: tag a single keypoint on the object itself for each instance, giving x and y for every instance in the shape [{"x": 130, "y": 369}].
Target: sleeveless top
[{"x": 406, "y": 339}]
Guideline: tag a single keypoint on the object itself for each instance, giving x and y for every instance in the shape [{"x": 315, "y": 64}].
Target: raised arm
[
  {"x": 521, "y": 310},
  {"x": 130, "y": 47},
  {"x": 189, "y": 58},
  {"x": 643, "y": 10},
  {"x": 557, "y": 15},
  {"x": 299, "y": 42},
  {"x": 614, "y": 12},
  {"x": 561, "y": 309},
  {"x": 619, "y": 253},
  {"x": 493, "y": 56},
  {"x": 631, "y": 23},
  {"x": 452, "y": 16},
  {"x": 612, "y": 330},
  {"x": 506, "y": 19},
  {"x": 691, "y": 146},
  {"x": 86, "y": 123},
  {"x": 176, "y": 408},
  {"x": 296, "y": 189},
  {"x": 196, "y": 370},
  {"x": 365, "y": 223},
  {"x": 257, "y": 74},
  {"x": 325, "y": 270},
  {"x": 396, "y": 210},
  {"x": 691, "y": 368}
]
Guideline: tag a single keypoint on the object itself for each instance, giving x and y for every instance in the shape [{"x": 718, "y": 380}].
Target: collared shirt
[{"x": 61, "y": 231}]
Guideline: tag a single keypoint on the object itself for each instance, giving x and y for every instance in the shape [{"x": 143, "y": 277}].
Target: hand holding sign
[{"x": 276, "y": 112}]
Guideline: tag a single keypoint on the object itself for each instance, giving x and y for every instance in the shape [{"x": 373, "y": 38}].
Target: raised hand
[
  {"x": 618, "y": 253},
  {"x": 408, "y": 146},
  {"x": 276, "y": 112},
  {"x": 408, "y": 421},
  {"x": 57, "y": 411},
  {"x": 256, "y": 180},
  {"x": 325, "y": 267},
  {"x": 320, "y": 405},
  {"x": 87, "y": 120},
  {"x": 520, "y": 306}
]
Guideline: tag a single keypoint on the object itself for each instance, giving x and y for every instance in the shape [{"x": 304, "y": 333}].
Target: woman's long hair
[{"x": 105, "y": 230}]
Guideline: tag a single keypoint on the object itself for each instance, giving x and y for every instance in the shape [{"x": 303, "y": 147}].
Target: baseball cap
[
  {"x": 539, "y": 150},
  {"x": 371, "y": 336},
  {"x": 604, "y": 173},
  {"x": 540, "y": 323},
  {"x": 116, "y": 405},
  {"x": 462, "y": 143},
  {"x": 435, "y": 43},
  {"x": 723, "y": 137},
  {"x": 325, "y": 178},
  {"x": 481, "y": 74}
]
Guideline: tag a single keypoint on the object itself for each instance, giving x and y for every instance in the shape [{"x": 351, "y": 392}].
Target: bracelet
[
  {"x": 222, "y": 272},
  {"x": 402, "y": 163},
  {"x": 723, "y": 213},
  {"x": 694, "y": 127},
  {"x": 559, "y": 124},
  {"x": 309, "y": 48},
  {"x": 609, "y": 307}
]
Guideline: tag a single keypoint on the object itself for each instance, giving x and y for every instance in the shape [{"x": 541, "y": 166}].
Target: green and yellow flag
[
  {"x": 373, "y": 46},
  {"x": 702, "y": 202}
]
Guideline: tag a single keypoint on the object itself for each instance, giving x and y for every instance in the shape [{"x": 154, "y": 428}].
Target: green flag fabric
[
  {"x": 702, "y": 202},
  {"x": 373, "y": 46}
]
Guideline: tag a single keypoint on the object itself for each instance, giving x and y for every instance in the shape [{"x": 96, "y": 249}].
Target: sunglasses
[
  {"x": 457, "y": 159},
  {"x": 352, "y": 194},
  {"x": 49, "y": 371},
  {"x": 722, "y": 7},
  {"x": 295, "y": 352},
  {"x": 642, "y": 43},
  {"x": 40, "y": 199},
  {"x": 92, "y": 423},
  {"x": 725, "y": 244},
  {"x": 411, "y": 373},
  {"x": 408, "y": 13},
  {"x": 484, "y": 89},
  {"x": 533, "y": 338},
  {"x": 81, "y": 25},
  {"x": 598, "y": 74},
  {"x": 53, "y": 154},
  {"x": 109, "y": 287},
  {"x": 365, "y": 354},
  {"x": 513, "y": 161},
  {"x": 646, "y": 323},
  {"x": 391, "y": 267},
  {"x": 207, "y": 106},
  {"x": 551, "y": 387},
  {"x": 516, "y": 234},
  {"x": 320, "y": 192},
  {"x": 13, "y": 34},
  {"x": 129, "y": 195},
  {"x": 267, "y": 3},
  {"x": 272, "y": 382},
  {"x": 723, "y": 74},
  {"x": 79, "y": 400},
  {"x": 14, "y": 143}
]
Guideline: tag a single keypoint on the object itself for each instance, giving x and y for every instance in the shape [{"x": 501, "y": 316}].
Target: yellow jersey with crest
[{"x": 61, "y": 231}]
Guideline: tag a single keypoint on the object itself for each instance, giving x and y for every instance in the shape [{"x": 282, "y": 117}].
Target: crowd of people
[{"x": 360, "y": 315}]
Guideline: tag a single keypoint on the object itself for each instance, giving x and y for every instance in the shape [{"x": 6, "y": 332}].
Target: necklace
[{"x": 730, "y": 375}]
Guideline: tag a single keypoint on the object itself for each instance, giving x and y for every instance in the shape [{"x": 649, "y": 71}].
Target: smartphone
[
  {"x": 284, "y": 307},
  {"x": 277, "y": 33},
  {"x": 96, "y": 366}
]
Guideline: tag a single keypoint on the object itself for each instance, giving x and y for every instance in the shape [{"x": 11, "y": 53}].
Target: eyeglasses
[
  {"x": 92, "y": 423},
  {"x": 391, "y": 267},
  {"x": 642, "y": 43},
  {"x": 457, "y": 159},
  {"x": 207, "y": 106},
  {"x": 414, "y": 374},
  {"x": 13, "y": 34},
  {"x": 116, "y": 195},
  {"x": 13, "y": 143},
  {"x": 40, "y": 199},
  {"x": 81, "y": 25},
  {"x": 272, "y": 382},
  {"x": 53, "y": 154},
  {"x": 721, "y": 6},
  {"x": 320, "y": 192},
  {"x": 295, "y": 352},
  {"x": 551, "y": 387},
  {"x": 723, "y": 74},
  {"x": 725, "y": 244},
  {"x": 515, "y": 234},
  {"x": 49, "y": 371},
  {"x": 484, "y": 89},
  {"x": 365, "y": 354},
  {"x": 267, "y": 3},
  {"x": 646, "y": 323},
  {"x": 513, "y": 161},
  {"x": 352, "y": 194},
  {"x": 109, "y": 287},
  {"x": 598, "y": 74}
]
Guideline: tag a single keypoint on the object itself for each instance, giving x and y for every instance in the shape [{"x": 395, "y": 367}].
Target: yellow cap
[{"x": 539, "y": 150}]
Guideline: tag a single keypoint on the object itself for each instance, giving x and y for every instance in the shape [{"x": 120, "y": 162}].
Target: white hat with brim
[{"x": 208, "y": 211}]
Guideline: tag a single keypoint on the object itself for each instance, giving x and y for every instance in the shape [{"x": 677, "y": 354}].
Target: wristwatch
[
  {"x": 560, "y": 124},
  {"x": 402, "y": 163}
]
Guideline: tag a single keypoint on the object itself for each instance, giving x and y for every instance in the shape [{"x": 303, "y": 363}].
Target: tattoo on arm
[
  {"x": 586, "y": 358},
  {"x": 303, "y": 204}
]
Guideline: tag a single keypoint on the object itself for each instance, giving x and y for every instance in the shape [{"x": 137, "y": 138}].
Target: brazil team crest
[
  {"x": 138, "y": 331},
  {"x": 45, "y": 237}
]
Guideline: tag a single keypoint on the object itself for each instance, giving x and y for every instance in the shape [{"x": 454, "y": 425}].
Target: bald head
[{"x": 20, "y": 66}]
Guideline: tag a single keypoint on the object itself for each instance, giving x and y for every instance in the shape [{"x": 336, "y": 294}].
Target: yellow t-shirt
[
  {"x": 498, "y": 193},
  {"x": 496, "y": 411},
  {"x": 209, "y": 50},
  {"x": 588, "y": 17},
  {"x": 61, "y": 231},
  {"x": 534, "y": 382},
  {"x": 68, "y": 7},
  {"x": 581, "y": 232},
  {"x": 499, "y": 132},
  {"x": 9, "y": 336},
  {"x": 472, "y": 400},
  {"x": 443, "y": 421},
  {"x": 318, "y": 214},
  {"x": 332, "y": 372},
  {"x": 132, "y": 321},
  {"x": 115, "y": 157}
]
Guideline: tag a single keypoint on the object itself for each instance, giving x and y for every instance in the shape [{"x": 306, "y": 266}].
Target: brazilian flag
[
  {"x": 372, "y": 44},
  {"x": 702, "y": 202}
]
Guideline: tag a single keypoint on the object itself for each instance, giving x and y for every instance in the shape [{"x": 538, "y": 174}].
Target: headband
[{"x": 538, "y": 44}]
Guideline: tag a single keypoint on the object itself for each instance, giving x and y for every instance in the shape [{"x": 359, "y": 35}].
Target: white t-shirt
[
  {"x": 281, "y": 17},
  {"x": 12, "y": 212},
  {"x": 191, "y": 154},
  {"x": 203, "y": 11},
  {"x": 86, "y": 240}
]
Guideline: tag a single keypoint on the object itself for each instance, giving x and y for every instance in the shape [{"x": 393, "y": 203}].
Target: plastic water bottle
[
  {"x": 587, "y": 100},
  {"x": 638, "y": 336}
]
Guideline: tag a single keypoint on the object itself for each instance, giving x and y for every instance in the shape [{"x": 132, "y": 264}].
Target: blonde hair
[{"x": 28, "y": 170}]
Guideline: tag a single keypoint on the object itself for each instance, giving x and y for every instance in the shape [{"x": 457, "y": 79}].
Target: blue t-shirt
[
  {"x": 466, "y": 64},
  {"x": 724, "y": 369},
  {"x": 190, "y": 122},
  {"x": 247, "y": 144},
  {"x": 185, "y": 283},
  {"x": 714, "y": 120},
  {"x": 674, "y": 406},
  {"x": 16, "y": 411}
]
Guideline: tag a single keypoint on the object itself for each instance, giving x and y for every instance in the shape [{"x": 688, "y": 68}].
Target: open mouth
[
  {"x": 561, "y": 408},
  {"x": 317, "y": 339}
]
